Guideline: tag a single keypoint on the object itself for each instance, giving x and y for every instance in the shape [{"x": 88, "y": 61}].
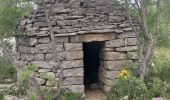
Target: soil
[{"x": 94, "y": 95}]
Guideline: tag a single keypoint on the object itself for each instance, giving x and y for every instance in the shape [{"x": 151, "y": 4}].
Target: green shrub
[
  {"x": 67, "y": 95},
  {"x": 158, "y": 80},
  {"x": 1, "y": 96},
  {"x": 161, "y": 64},
  {"x": 6, "y": 69},
  {"x": 159, "y": 88},
  {"x": 131, "y": 87}
]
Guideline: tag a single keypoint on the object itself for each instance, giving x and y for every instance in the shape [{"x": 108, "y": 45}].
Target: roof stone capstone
[{"x": 72, "y": 17}]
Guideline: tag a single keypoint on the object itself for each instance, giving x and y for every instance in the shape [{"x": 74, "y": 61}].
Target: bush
[
  {"x": 159, "y": 88},
  {"x": 130, "y": 87},
  {"x": 6, "y": 69},
  {"x": 1, "y": 96},
  {"x": 158, "y": 80},
  {"x": 161, "y": 64},
  {"x": 67, "y": 95}
]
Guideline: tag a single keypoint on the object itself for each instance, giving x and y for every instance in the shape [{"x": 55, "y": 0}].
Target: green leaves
[{"x": 10, "y": 12}]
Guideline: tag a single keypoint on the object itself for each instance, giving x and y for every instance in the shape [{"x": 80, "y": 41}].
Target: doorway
[{"x": 91, "y": 59}]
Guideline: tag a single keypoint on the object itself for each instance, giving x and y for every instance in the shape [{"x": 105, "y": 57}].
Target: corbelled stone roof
[{"x": 71, "y": 17}]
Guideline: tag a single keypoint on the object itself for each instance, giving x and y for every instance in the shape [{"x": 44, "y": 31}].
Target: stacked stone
[
  {"x": 67, "y": 21},
  {"x": 114, "y": 54},
  {"x": 72, "y": 25},
  {"x": 38, "y": 51}
]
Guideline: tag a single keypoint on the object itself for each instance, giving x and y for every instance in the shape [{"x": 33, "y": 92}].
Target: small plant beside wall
[{"x": 128, "y": 88}]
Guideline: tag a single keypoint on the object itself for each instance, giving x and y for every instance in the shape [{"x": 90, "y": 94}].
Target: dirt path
[{"x": 94, "y": 95}]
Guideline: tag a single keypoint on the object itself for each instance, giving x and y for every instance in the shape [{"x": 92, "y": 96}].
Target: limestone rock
[
  {"x": 40, "y": 81},
  {"x": 73, "y": 46},
  {"x": 50, "y": 74},
  {"x": 61, "y": 39},
  {"x": 28, "y": 57},
  {"x": 43, "y": 70},
  {"x": 113, "y": 56},
  {"x": 127, "y": 48},
  {"x": 72, "y": 64},
  {"x": 115, "y": 43},
  {"x": 131, "y": 41},
  {"x": 73, "y": 72},
  {"x": 56, "y": 57},
  {"x": 73, "y": 81},
  {"x": 32, "y": 41},
  {"x": 127, "y": 34},
  {"x": 74, "y": 55},
  {"x": 113, "y": 65},
  {"x": 39, "y": 57},
  {"x": 42, "y": 64},
  {"x": 44, "y": 40},
  {"x": 77, "y": 88},
  {"x": 110, "y": 74}
]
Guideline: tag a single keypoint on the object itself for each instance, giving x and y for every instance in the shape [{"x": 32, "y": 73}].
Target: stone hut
[{"x": 92, "y": 40}]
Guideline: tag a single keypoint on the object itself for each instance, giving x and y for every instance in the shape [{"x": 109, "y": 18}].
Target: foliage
[
  {"x": 11, "y": 11},
  {"x": 161, "y": 64},
  {"x": 158, "y": 79},
  {"x": 25, "y": 74},
  {"x": 6, "y": 69},
  {"x": 67, "y": 95},
  {"x": 159, "y": 88},
  {"x": 131, "y": 87},
  {"x": 1, "y": 96}
]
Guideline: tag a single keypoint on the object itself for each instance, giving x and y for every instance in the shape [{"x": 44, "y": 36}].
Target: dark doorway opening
[{"x": 91, "y": 62}]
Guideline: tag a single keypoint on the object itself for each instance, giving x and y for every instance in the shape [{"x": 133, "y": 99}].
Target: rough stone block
[
  {"x": 61, "y": 39},
  {"x": 46, "y": 46},
  {"x": 98, "y": 37},
  {"x": 73, "y": 72},
  {"x": 55, "y": 57},
  {"x": 41, "y": 81},
  {"x": 27, "y": 50},
  {"x": 28, "y": 57},
  {"x": 42, "y": 64},
  {"x": 73, "y": 81},
  {"x": 133, "y": 55},
  {"x": 106, "y": 88},
  {"x": 75, "y": 39},
  {"x": 127, "y": 48},
  {"x": 44, "y": 40},
  {"x": 50, "y": 75},
  {"x": 43, "y": 70},
  {"x": 112, "y": 65},
  {"x": 131, "y": 41},
  {"x": 110, "y": 74},
  {"x": 74, "y": 55},
  {"x": 18, "y": 56},
  {"x": 32, "y": 41},
  {"x": 113, "y": 56},
  {"x": 20, "y": 63},
  {"x": 72, "y": 64},
  {"x": 77, "y": 88},
  {"x": 108, "y": 82},
  {"x": 73, "y": 46},
  {"x": 115, "y": 43},
  {"x": 126, "y": 35},
  {"x": 39, "y": 57}
]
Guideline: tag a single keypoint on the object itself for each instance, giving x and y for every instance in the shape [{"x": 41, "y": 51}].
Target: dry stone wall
[
  {"x": 113, "y": 56},
  {"x": 74, "y": 22},
  {"x": 34, "y": 50},
  {"x": 38, "y": 51}
]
